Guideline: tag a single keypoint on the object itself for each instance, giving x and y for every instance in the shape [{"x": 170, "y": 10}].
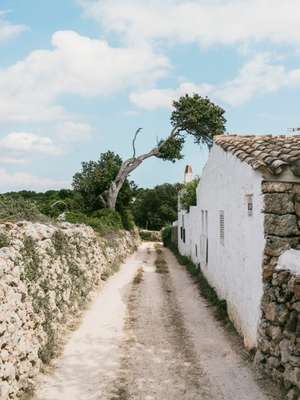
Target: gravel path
[{"x": 151, "y": 338}]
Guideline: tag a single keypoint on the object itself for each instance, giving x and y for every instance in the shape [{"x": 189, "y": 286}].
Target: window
[
  {"x": 183, "y": 235},
  {"x": 196, "y": 250},
  {"x": 249, "y": 198},
  {"x": 222, "y": 228}
]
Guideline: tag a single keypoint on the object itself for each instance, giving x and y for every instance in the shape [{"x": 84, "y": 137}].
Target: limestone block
[
  {"x": 4, "y": 390},
  {"x": 281, "y": 225},
  {"x": 279, "y": 203},
  {"x": 276, "y": 312},
  {"x": 275, "y": 245},
  {"x": 293, "y": 375},
  {"x": 276, "y": 187}
]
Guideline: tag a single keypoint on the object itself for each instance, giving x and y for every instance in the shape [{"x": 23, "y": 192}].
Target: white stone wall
[
  {"x": 47, "y": 274},
  {"x": 235, "y": 268}
]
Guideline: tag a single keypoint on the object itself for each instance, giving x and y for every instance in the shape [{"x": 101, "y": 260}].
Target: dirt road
[{"x": 150, "y": 336}]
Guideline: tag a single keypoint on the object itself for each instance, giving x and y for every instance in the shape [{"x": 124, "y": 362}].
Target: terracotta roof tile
[{"x": 266, "y": 153}]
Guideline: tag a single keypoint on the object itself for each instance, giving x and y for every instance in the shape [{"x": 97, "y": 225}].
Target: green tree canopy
[
  {"x": 188, "y": 195},
  {"x": 96, "y": 177},
  {"x": 157, "y": 207}
]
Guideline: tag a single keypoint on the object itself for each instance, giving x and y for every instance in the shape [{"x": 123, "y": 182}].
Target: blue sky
[{"x": 78, "y": 77}]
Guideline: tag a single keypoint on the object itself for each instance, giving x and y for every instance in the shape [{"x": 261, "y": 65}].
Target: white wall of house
[{"x": 234, "y": 264}]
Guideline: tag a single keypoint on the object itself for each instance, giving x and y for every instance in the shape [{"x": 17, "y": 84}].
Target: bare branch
[{"x": 134, "y": 140}]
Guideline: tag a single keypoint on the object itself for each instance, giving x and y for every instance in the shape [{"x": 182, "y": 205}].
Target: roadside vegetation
[
  {"x": 207, "y": 291},
  {"x": 160, "y": 262}
]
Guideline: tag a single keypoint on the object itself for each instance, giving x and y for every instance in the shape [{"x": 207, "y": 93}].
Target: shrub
[
  {"x": 166, "y": 235},
  {"x": 16, "y": 209},
  {"x": 127, "y": 220},
  {"x": 108, "y": 218},
  {"x": 152, "y": 236},
  {"x": 103, "y": 221}
]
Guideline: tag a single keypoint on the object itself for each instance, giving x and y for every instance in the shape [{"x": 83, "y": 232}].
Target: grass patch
[
  {"x": 207, "y": 291},
  {"x": 160, "y": 262},
  {"x": 138, "y": 277}
]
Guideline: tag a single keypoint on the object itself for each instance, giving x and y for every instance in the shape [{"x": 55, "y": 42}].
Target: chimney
[{"x": 188, "y": 174}]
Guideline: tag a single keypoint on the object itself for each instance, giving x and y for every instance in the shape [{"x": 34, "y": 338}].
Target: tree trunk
[{"x": 111, "y": 195}]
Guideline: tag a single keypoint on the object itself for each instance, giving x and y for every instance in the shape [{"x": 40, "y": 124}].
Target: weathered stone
[
  {"x": 275, "y": 245},
  {"x": 53, "y": 274},
  {"x": 282, "y": 277},
  {"x": 296, "y": 188},
  {"x": 281, "y": 225},
  {"x": 292, "y": 375},
  {"x": 285, "y": 352},
  {"x": 273, "y": 362},
  {"x": 297, "y": 288},
  {"x": 276, "y": 187},
  {"x": 294, "y": 360},
  {"x": 279, "y": 203},
  {"x": 296, "y": 306},
  {"x": 268, "y": 271},
  {"x": 297, "y": 205},
  {"x": 274, "y": 332},
  {"x": 291, "y": 324},
  {"x": 276, "y": 313},
  {"x": 293, "y": 394},
  {"x": 4, "y": 390},
  {"x": 259, "y": 358}
]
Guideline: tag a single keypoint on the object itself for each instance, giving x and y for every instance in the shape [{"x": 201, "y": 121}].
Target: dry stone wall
[
  {"x": 279, "y": 331},
  {"x": 47, "y": 274}
]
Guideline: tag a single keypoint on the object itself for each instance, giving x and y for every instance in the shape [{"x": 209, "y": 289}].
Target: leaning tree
[{"x": 194, "y": 116}]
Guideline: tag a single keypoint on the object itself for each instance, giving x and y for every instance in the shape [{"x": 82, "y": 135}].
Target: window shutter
[{"x": 222, "y": 228}]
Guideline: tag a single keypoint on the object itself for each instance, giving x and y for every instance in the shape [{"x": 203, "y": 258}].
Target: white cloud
[
  {"x": 29, "y": 89},
  {"x": 163, "y": 98},
  {"x": 12, "y": 160},
  {"x": 7, "y": 29},
  {"x": 24, "y": 181},
  {"x": 71, "y": 132},
  {"x": 256, "y": 77},
  {"x": 207, "y": 22},
  {"x": 28, "y": 143}
]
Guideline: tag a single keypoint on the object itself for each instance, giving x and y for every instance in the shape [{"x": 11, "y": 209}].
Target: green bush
[
  {"x": 76, "y": 217},
  {"x": 127, "y": 220},
  {"x": 103, "y": 221},
  {"x": 152, "y": 236},
  {"x": 108, "y": 217},
  {"x": 16, "y": 209},
  {"x": 166, "y": 235}
]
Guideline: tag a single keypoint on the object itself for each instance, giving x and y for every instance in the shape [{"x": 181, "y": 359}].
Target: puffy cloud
[
  {"x": 71, "y": 132},
  {"x": 207, "y": 22},
  {"x": 7, "y": 29},
  {"x": 256, "y": 77},
  {"x": 28, "y": 143},
  {"x": 29, "y": 89},
  {"x": 163, "y": 98}
]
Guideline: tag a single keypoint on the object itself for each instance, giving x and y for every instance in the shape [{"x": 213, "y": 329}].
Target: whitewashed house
[{"x": 245, "y": 218}]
